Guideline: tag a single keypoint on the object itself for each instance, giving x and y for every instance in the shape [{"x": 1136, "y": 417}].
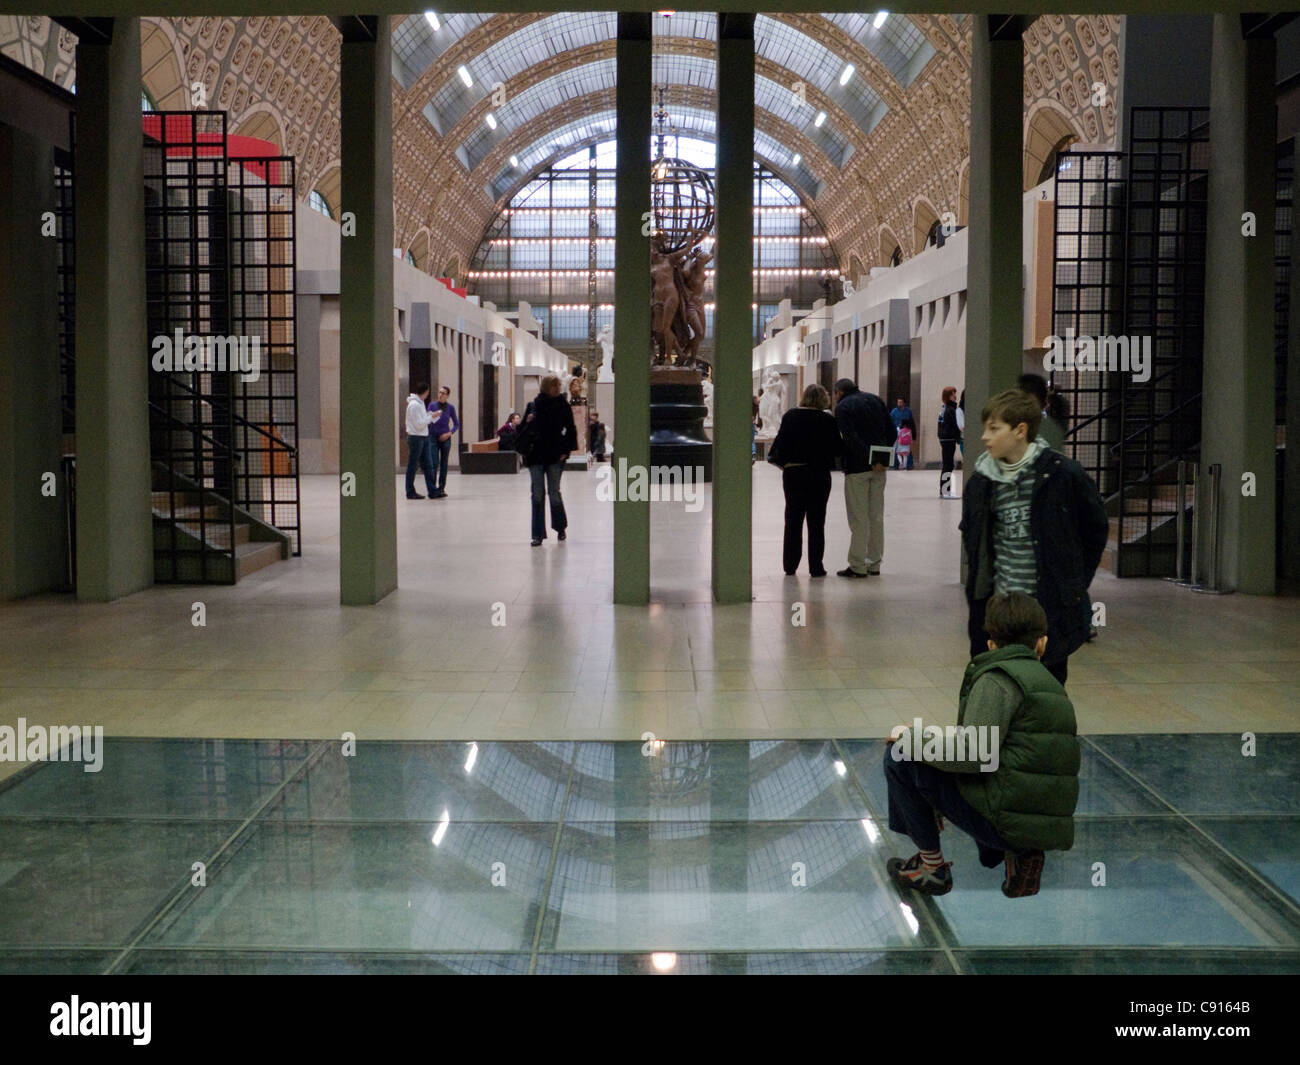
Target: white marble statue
[
  {"x": 848, "y": 285},
  {"x": 605, "y": 338},
  {"x": 771, "y": 404},
  {"x": 707, "y": 385}
]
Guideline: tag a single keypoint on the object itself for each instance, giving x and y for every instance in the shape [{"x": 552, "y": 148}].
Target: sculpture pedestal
[{"x": 677, "y": 411}]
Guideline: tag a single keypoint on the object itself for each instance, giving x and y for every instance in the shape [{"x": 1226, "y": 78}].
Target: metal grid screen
[
  {"x": 191, "y": 423},
  {"x": 1087, "y": 294},
  {"x": 1165, "y": 301},
  {"x": 260, "y": 198}
]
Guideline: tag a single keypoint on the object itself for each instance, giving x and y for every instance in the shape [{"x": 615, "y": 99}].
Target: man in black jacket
[
  {"x": 1032, "y": 521},
  {"x": 863, "y": 423}
]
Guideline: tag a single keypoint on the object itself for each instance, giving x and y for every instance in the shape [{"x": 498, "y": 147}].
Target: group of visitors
[
  {"x": 429, "y": 429},
  {"x": 862, "y": 435}
]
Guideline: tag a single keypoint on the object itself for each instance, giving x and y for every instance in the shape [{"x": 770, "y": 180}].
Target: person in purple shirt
[{"x": 445, "y": 423}]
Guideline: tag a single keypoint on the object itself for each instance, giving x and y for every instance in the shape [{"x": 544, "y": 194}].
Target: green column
[
  {"x": 114, "y": 523},
  {"x": 994, "y": 273},
  {"x": 632, "y": 302},
  {"x": 734, "y": 318},
  {"x": 367, "y": 400},
  {"x": 33, "y": 539},
  {"x": 1238, "y": 375}
]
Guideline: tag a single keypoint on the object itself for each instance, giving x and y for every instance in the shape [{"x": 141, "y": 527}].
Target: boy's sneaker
[
  {"x": 1024, "y": 874},
  {"x": 914, "y": 875}
]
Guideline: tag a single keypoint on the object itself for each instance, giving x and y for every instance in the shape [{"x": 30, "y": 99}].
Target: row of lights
[
  {"x": 610, "y": 210},
  {"x": 491, "y": 121},
  {"x": 570, "y": 241},
  {"x": 610, "y": 307},
  {"x": 764, "y": 272}
]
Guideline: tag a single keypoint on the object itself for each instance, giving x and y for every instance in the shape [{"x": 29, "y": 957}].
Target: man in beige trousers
[{"x": 864, "y": 424}]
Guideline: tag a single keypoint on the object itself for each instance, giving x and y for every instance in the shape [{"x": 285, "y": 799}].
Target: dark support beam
[
  {"x": 357, "y": 29},
  {"x": 88, "y": 30},
  {"x": 1264, "y": 25},
  {"x": 632, "y": 302},
  {"x": 734, "y": 318}
]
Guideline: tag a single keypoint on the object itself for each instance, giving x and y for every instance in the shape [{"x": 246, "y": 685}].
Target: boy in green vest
[{"x": 1017, "y": 797}]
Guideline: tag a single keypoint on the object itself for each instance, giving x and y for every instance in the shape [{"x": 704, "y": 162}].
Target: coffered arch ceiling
[
  {"x": 529, "y": 71},
  {"x": 898, "y": 129}
]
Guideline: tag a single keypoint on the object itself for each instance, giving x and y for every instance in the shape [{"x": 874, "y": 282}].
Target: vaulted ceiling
[{"x": 891, "y": 148}]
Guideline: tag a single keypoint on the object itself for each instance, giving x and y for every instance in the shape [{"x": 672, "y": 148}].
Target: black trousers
[
  {"x": 807, "y": 488},
  {"x": 948, "y": 447},
  {"x": 1057, "y": 666}
]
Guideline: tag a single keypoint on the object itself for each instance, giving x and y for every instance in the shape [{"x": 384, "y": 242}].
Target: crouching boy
[{"x": 1017, "y": 798}]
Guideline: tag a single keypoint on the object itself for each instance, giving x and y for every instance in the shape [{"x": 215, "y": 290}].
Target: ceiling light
[
  {"x": 432, "y": 20},
  {"x": 514, "y": 161},
  {"x": 464, "y": 76},
  {"x": 796, "y": 160},
  {"x": 879, "y": 20},
  {"x": 491, "y": 121},
  {"x": 441, "y": 830},
  {"x": 848, "y": 73},
  {"x": 820, "y": 119},
  {"x": 471, "y": 757},
  {"x": 663, "y": 961}
]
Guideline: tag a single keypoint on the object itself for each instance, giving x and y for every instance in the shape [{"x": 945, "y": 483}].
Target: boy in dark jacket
[
  {"x": 1031, "y": 522},
  {"x": 1017, "y": 798}
]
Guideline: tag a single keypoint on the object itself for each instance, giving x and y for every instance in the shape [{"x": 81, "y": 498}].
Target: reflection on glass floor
[{"x": 562, "y": 857}]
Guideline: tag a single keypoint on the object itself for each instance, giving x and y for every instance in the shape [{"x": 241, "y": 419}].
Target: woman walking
[
  {"x": 546, "y": 439},
  {"x": 805, "y": 448},
  {"x": 949, "y": 434}
]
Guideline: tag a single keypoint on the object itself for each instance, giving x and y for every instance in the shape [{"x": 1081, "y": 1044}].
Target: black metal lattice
[
  {"x": 260, "y": 201},
  {"x": 1165, "y": 301},
  {"x": 1087, "y": 297},
  {"x": 191, "y": 414}
]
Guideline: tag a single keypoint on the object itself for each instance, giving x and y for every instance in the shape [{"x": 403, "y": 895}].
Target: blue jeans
[
  {"x": 441, "y": 451},
  {"x": 546, "y": 482},
  {"x": 418, "y": 455},
  {"x": 918, "y": 791}
]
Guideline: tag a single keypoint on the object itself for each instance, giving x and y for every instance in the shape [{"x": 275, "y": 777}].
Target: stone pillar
[
  {"x": 994, "y": 272},
  {"x": 1238, "y": 376},
  {"x": 114, "y": 521},
  {"x": 367, "y": 398},
  {"x": 632, "y": 302},
  {"x": 734, "y": 318},
  {"x": 33, "y": 535}
]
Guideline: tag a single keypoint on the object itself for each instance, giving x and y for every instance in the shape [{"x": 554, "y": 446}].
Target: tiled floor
[
  {"x": 617, "y": 857},
  {"x": 279, "y": 657}
]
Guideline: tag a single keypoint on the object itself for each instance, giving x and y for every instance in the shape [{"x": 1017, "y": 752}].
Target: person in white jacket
[{"x": 418, "y": 419}]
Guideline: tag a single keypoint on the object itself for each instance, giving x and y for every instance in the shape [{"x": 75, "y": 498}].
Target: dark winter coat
[
  {"x": 864, "y": 423},
  {"x": 550, "y": 434},
  {"x": 807, "y": 437},
  {"x": 1069, "y": 528}
]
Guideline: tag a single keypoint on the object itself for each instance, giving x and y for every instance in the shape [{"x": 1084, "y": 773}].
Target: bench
[{"x": 485, "y": 456}]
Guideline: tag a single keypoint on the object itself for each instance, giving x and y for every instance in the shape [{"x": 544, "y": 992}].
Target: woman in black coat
[
  {"x": 805, "y": 448},
  {"x": 949, "y": 435},
  {"x": 546, "y": 439}
]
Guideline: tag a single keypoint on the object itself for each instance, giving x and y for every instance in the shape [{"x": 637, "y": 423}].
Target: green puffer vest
[{"x": 1030, "y": 799}]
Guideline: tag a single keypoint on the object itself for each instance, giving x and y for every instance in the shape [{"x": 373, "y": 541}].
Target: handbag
[{"x": 526, "y": 438}]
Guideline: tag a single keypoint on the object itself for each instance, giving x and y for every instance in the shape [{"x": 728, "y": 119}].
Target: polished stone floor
[
  {"x": 489, "y": 638},
  {"x": 618, "y": 857}
]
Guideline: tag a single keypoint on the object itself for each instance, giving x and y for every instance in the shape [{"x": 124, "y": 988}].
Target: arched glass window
[
  {"x": 409, "y": 257},
  {"x": 896, "y": 257},
  {"x": 318, "y": 202},
  {"x": 146, "y": 101},
  {"x": 936, "y": 236}
]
